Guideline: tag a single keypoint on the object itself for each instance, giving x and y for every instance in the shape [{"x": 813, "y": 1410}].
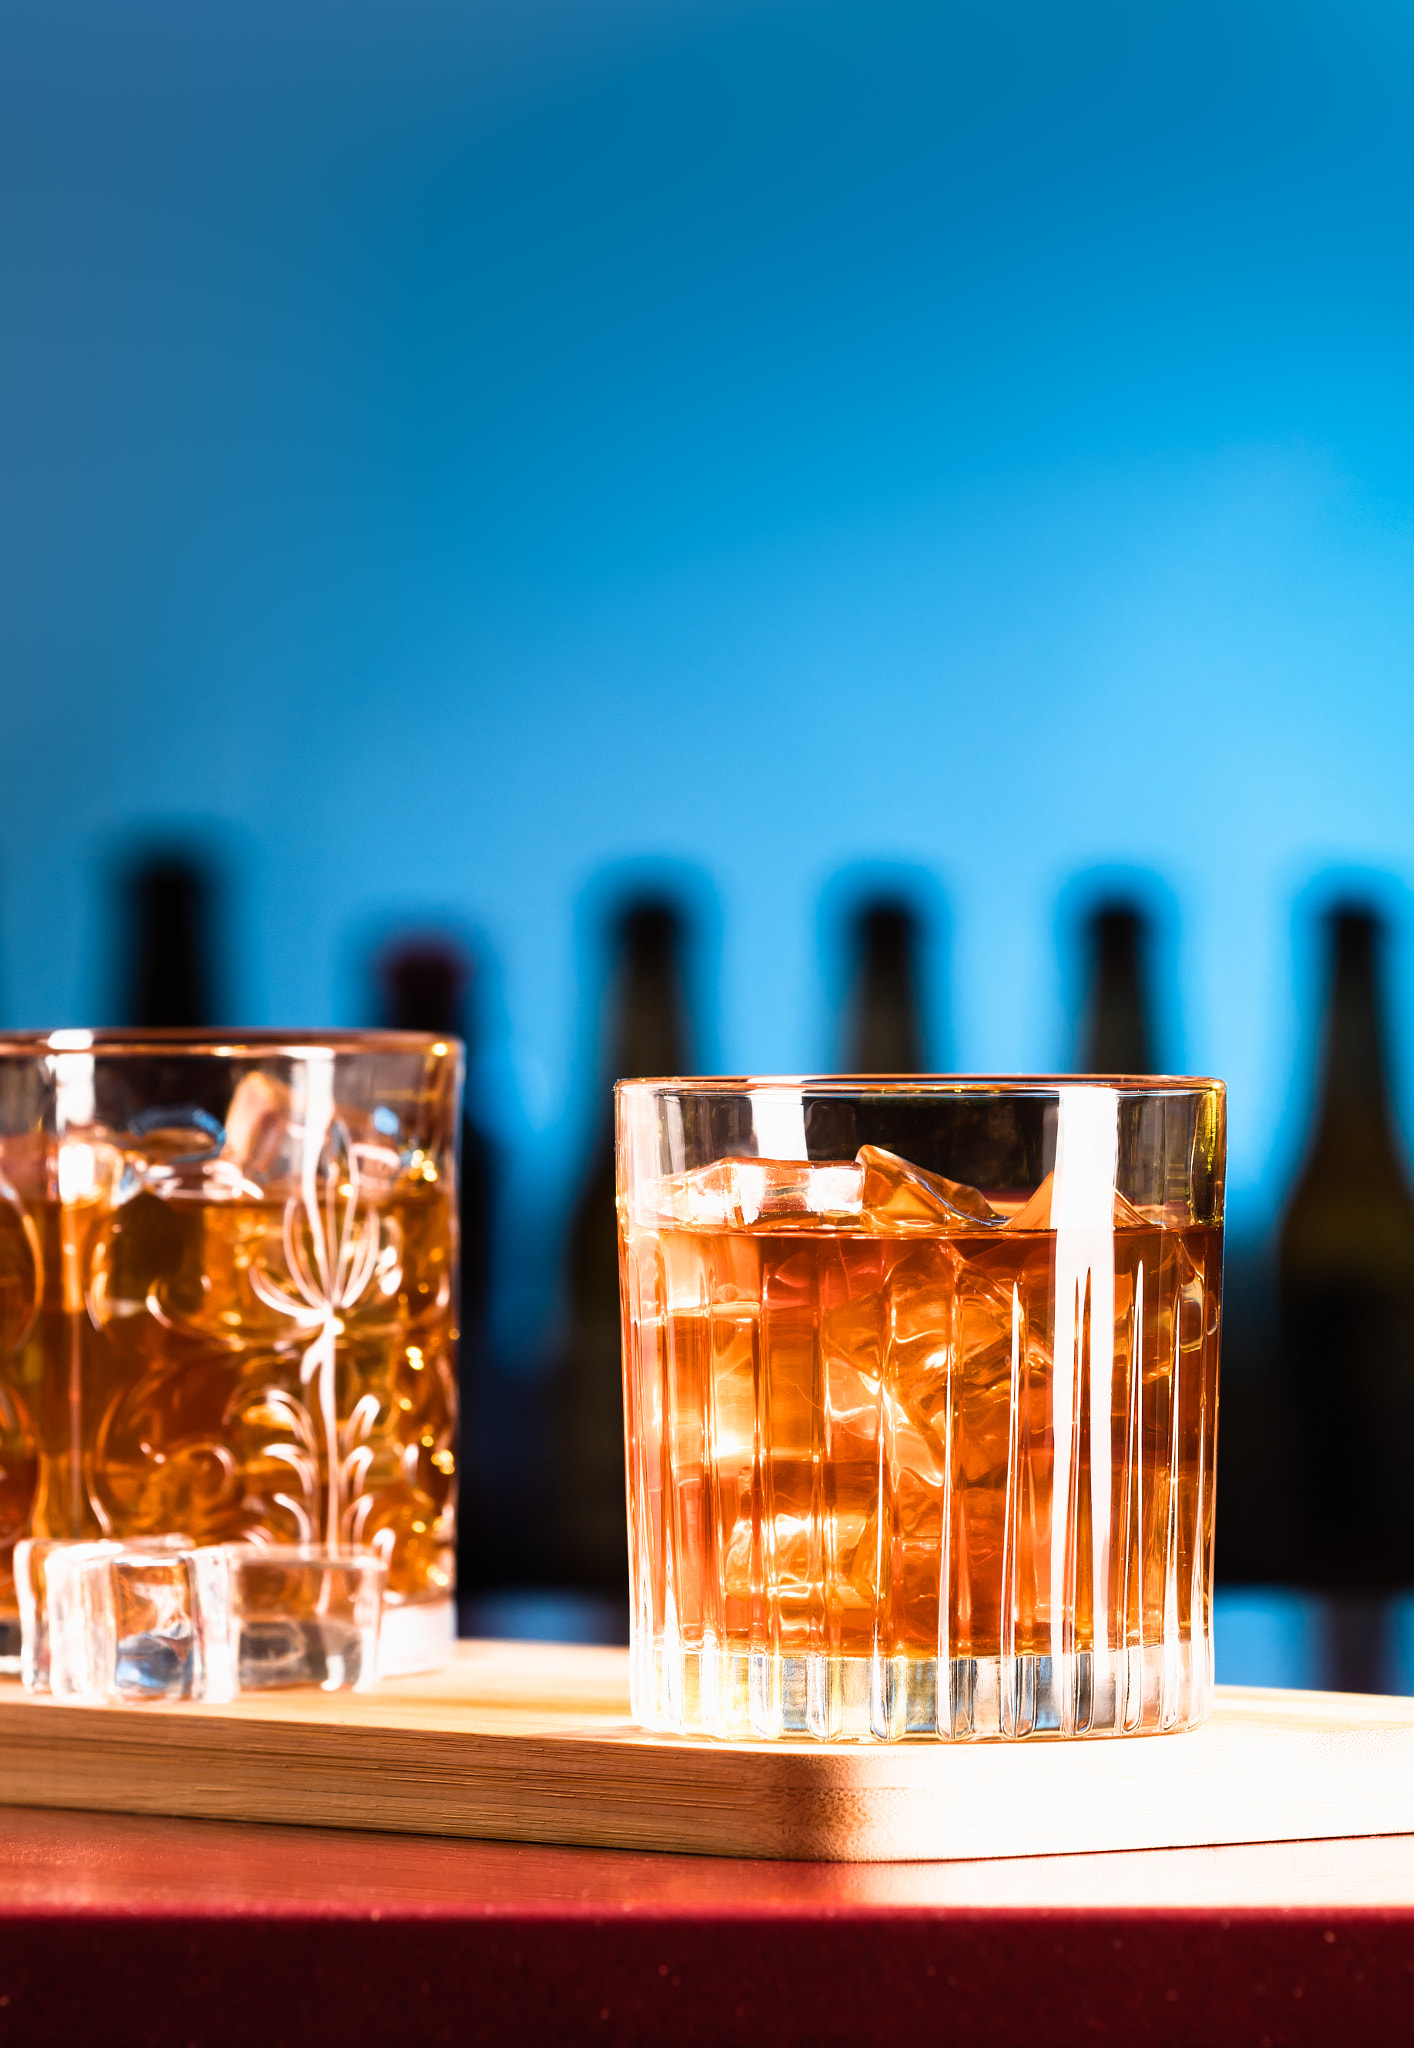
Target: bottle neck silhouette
[
  {"x": 1354, "y": 1082},
  {"x": 1351, "y": 1215},
  {"x": 645, "y": 1035},
  {"x": 169, "y": 970},
  {"x": 648, "y": 1033},
  {"x": 423, "y": 985},
  {"x": 1347, "y": 1296},
  {"x": 1117, "y": 1037},
  {"x": 886, "y": 1026}
]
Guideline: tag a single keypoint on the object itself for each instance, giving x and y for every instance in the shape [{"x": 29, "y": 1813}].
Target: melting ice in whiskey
[{"x": 905, "y": 1458}]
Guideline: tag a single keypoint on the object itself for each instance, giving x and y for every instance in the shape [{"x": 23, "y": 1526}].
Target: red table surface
[{"x": 138, "y": 1933}]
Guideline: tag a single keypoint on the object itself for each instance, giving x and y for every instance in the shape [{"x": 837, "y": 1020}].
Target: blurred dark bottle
[
  {"x": 169, "y": 961},
  {"x": 1116, "y": 1035},
  {"x": 1346, "y": 1278},
  {"x": 647, "y": 1034},
  {"x": 884, "y": 1019},
  {"x": 424, "y": 985}
]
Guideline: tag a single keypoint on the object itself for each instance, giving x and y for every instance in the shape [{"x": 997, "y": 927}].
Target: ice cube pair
[
  {"x": 166, "y": 1619},
  {"x": 879, "y": 1190}
]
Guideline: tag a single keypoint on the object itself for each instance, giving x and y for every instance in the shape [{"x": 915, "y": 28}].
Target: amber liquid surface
[
  {"x": 913, "y": 1440},
  {"x": 162, "y": 1369}
]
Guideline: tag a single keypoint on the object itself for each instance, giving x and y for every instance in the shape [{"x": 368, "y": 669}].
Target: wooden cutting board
[{"x": 532, "y": 1742}]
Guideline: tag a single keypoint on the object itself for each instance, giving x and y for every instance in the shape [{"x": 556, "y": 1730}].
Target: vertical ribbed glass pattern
[{"x": 898, "y": 1472}]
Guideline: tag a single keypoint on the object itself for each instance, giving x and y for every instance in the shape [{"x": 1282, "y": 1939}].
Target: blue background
[{"x": 457, "y": 459}]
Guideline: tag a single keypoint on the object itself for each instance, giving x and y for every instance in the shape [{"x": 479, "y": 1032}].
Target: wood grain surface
[{"x": 532, "y": 1742}]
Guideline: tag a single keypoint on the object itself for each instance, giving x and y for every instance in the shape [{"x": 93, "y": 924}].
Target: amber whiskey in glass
[{"x": 921, "y": 1421}]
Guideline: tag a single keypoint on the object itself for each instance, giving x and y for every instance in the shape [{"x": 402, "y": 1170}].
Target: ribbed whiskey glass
[{"x": 921, "y": 1382}]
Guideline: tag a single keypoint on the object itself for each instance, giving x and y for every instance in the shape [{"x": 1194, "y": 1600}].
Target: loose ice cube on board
[
  {"x": 897, "y": 1192},
  {"x": 300, "y": 1616},
  {"x": 167, "y": 1620},
  {"x": 128, "y": 1622},
  {"x": 31, "y": 1557},
  {"x": 31, "y": 1586}
]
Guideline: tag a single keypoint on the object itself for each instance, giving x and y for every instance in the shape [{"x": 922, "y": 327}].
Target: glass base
[
  {"x": 418, "y": 1637},
  {"x": 759, "y": 1697}
]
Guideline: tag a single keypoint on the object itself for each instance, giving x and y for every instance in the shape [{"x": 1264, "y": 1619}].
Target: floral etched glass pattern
[
  {"x": 228, "y": 1298},
  {"x": 921, "y": 1400}
]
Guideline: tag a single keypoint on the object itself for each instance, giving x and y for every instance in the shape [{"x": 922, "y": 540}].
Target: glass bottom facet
[{"x": 1148, "y": 1689}]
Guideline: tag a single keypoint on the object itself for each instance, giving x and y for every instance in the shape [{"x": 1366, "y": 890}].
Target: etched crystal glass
[
  {"x": 228, "y": 1297},
  {"x": 921, "y": 1384}
]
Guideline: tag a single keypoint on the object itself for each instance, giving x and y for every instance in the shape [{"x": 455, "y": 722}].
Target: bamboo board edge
[{"x": 432, "y": 1757}]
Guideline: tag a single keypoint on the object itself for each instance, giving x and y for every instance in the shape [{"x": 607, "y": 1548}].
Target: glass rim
[
  {"x": 134, "y": 1041},
  {"x": 922, "y": 1084}
]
